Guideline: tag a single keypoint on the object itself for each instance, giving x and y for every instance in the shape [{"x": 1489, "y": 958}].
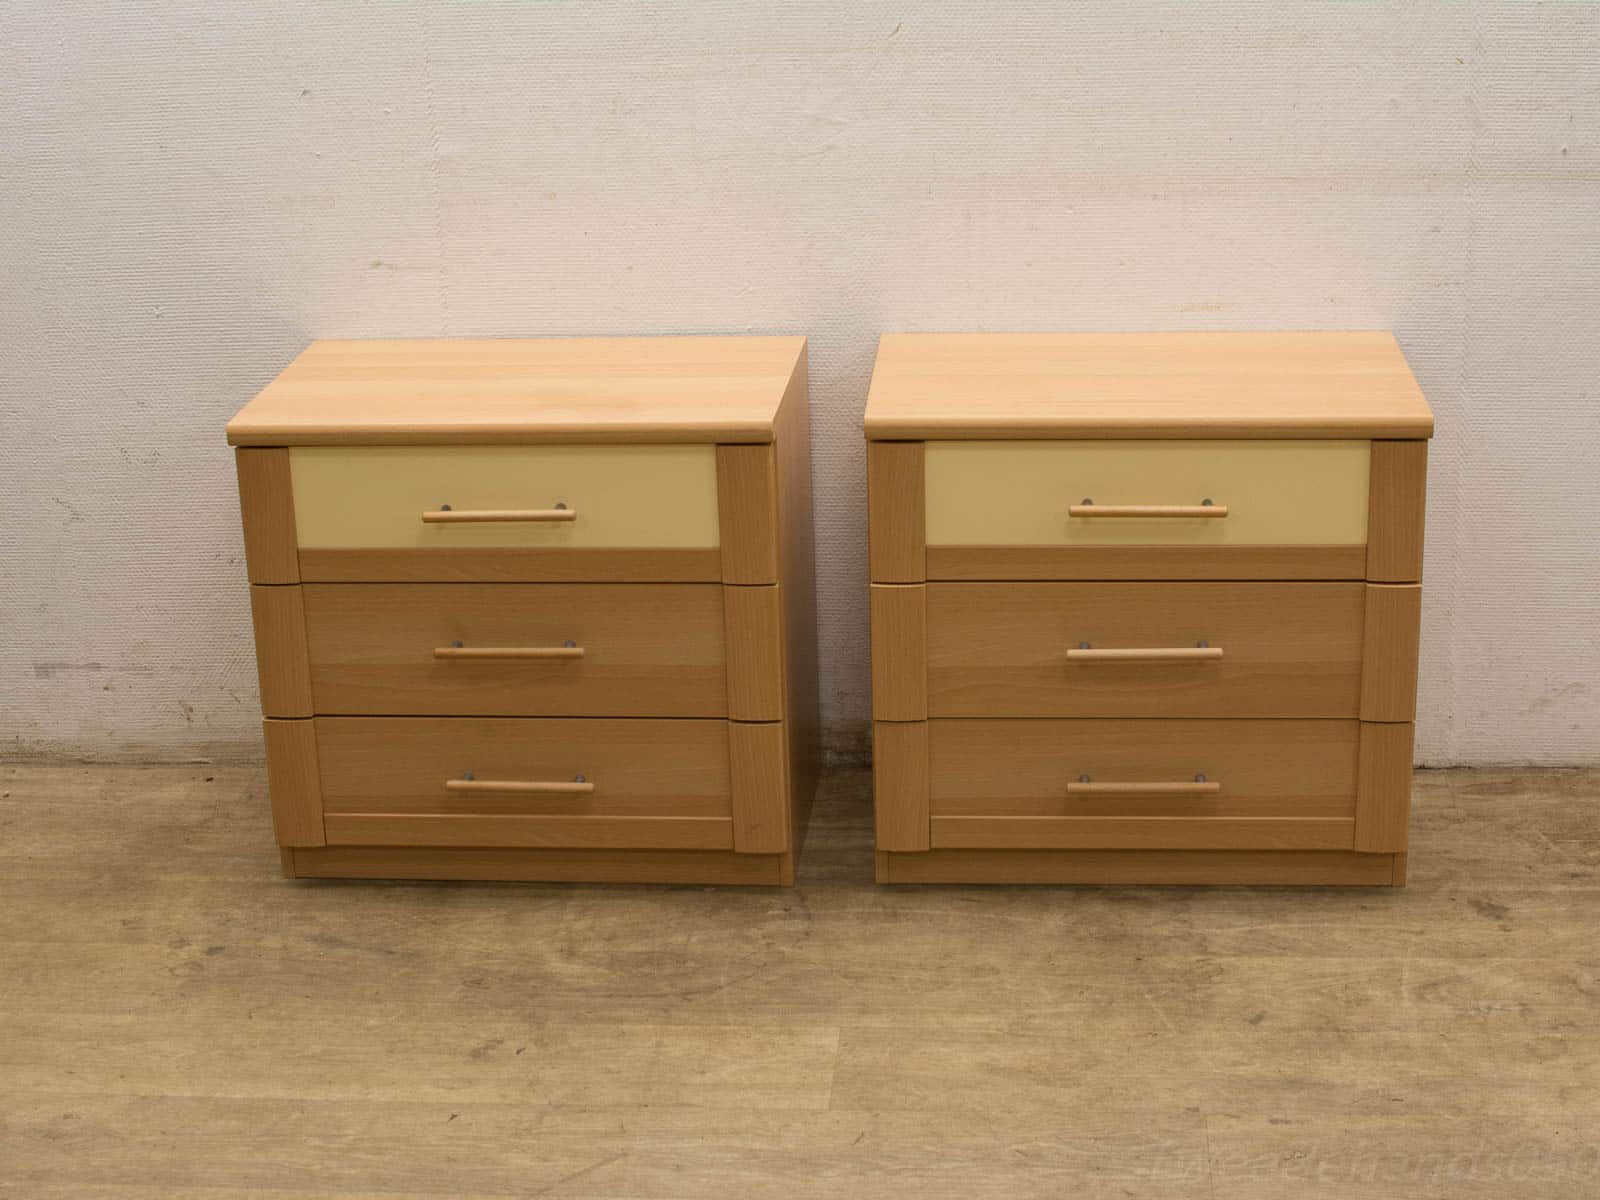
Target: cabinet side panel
[{"x": 798, "y": 592}]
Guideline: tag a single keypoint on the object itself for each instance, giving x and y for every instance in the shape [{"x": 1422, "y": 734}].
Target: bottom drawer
[
  {"x": 515, "y": 781},
  {"x": 1143, "y": 784}
]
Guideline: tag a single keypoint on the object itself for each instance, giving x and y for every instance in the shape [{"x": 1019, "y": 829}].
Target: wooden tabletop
[
  {"x": 647, "y": 389},
  {"x": 1144, "y": 385}
]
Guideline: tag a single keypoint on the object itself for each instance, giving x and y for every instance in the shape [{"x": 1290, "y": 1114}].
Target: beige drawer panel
[
  {"x": 624, "y": 496},
  {"x": 1019, "y": 493},
  {"x": 635, "y": 767},
  {"x": 648, "y": 650},
  {"x": 1275, "y": 649}
]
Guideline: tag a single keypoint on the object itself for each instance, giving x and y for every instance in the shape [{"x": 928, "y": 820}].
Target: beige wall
[{"x": 190, "y": 193}]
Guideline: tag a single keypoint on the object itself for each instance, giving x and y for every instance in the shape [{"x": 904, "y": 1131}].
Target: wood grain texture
[
  {"x": 747, "y": 508},
  {"x": 956, "y": 563},
  {"x": 999, "y": 649},
  {"x": 1383, "y": 795},
  {"x": 744, "y": 1037},
  {"x": 639, "y": 766},
  {"x": 753, "y": 624},
  {"x": 896, "y": 507},
  {"x": 650, "y": 650},
  {"x": 900, "y": 785},
  {"x": 1391, "y": 639},
  {"x": 1397, "y": 511},
  {"x": 899, "y": 652},
  {"x": 1143, "y": 385},
  {"x": 540, "y": 865},
  {"x": 1205, "y": 868},
  {"x": 575, "y": 833},
  {"x": 523, "y": 390},
  {"x": 798, "y": 590},
  {"x": 758, "y": 755},
  {"x": 546, "y": 565},
  {"x": 283, "y": 663},
  {"x": 1266, "y": 768},
  {"x": 266, "y": 509},
  {"x": 293, "y": 782},
  {"x": 1140, "y": 833}
]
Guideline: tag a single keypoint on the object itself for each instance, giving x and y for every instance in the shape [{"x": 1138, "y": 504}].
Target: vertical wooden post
[
  {"x": 266, "y": 508},
  {"x": 896, "y": 523}
]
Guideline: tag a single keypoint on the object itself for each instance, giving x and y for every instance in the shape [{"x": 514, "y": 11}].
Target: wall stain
[{"x": 49, "y": 670}]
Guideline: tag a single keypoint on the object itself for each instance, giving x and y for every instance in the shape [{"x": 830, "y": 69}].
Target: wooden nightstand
[
  {"x": 535, "y": 609},
  {"x": 1145, "y": 607}
]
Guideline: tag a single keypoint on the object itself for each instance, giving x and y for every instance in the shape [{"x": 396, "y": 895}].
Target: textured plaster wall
[{"x": 189, "y": 193}]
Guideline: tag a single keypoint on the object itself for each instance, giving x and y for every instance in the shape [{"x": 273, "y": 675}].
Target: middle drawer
[
  {"x": 1144, "y": 649},
  {"x": 542, "y": 649}
]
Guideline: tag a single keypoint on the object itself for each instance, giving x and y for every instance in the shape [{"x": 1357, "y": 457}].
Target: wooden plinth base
[
  {"x": 1183, "y": 867},
  {"x": 543, "y": 866}
]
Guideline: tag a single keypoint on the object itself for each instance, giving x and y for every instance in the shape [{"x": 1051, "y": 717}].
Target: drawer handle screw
[{"x": 468, "y": 775}]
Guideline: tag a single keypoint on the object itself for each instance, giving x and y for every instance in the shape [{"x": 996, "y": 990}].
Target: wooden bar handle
[
  {"x": 508, "y": 652},
  {"x": 1184, "y": 787},
  {"x": 1147, "y": 510},
  {"x": 577, "y": 787},
  {"x": 450, "y": 516},
  {"x": 1142, "y": 654}
]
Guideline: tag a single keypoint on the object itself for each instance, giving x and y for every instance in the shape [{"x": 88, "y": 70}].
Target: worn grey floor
[{"x": 177, "y": 1021}]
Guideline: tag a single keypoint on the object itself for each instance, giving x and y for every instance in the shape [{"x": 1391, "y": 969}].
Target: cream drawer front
[
  {"x": 1020, "y": 493},
  {"x": 623, "y": 496}
]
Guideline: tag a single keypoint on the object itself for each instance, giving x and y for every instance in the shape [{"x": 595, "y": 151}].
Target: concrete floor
[{"x": 180, "y": 1022}]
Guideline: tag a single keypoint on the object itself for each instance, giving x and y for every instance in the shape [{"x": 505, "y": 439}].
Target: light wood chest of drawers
[
  {"x": 1145, "y": 607},
  {"x": 535, "y": 609}
]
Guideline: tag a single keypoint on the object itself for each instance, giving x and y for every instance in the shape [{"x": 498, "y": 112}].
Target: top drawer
[
  {"x": 501, "y": 514},
  {"x": 1146, "y": 509},
  {"x": 504, "y": 496}
]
